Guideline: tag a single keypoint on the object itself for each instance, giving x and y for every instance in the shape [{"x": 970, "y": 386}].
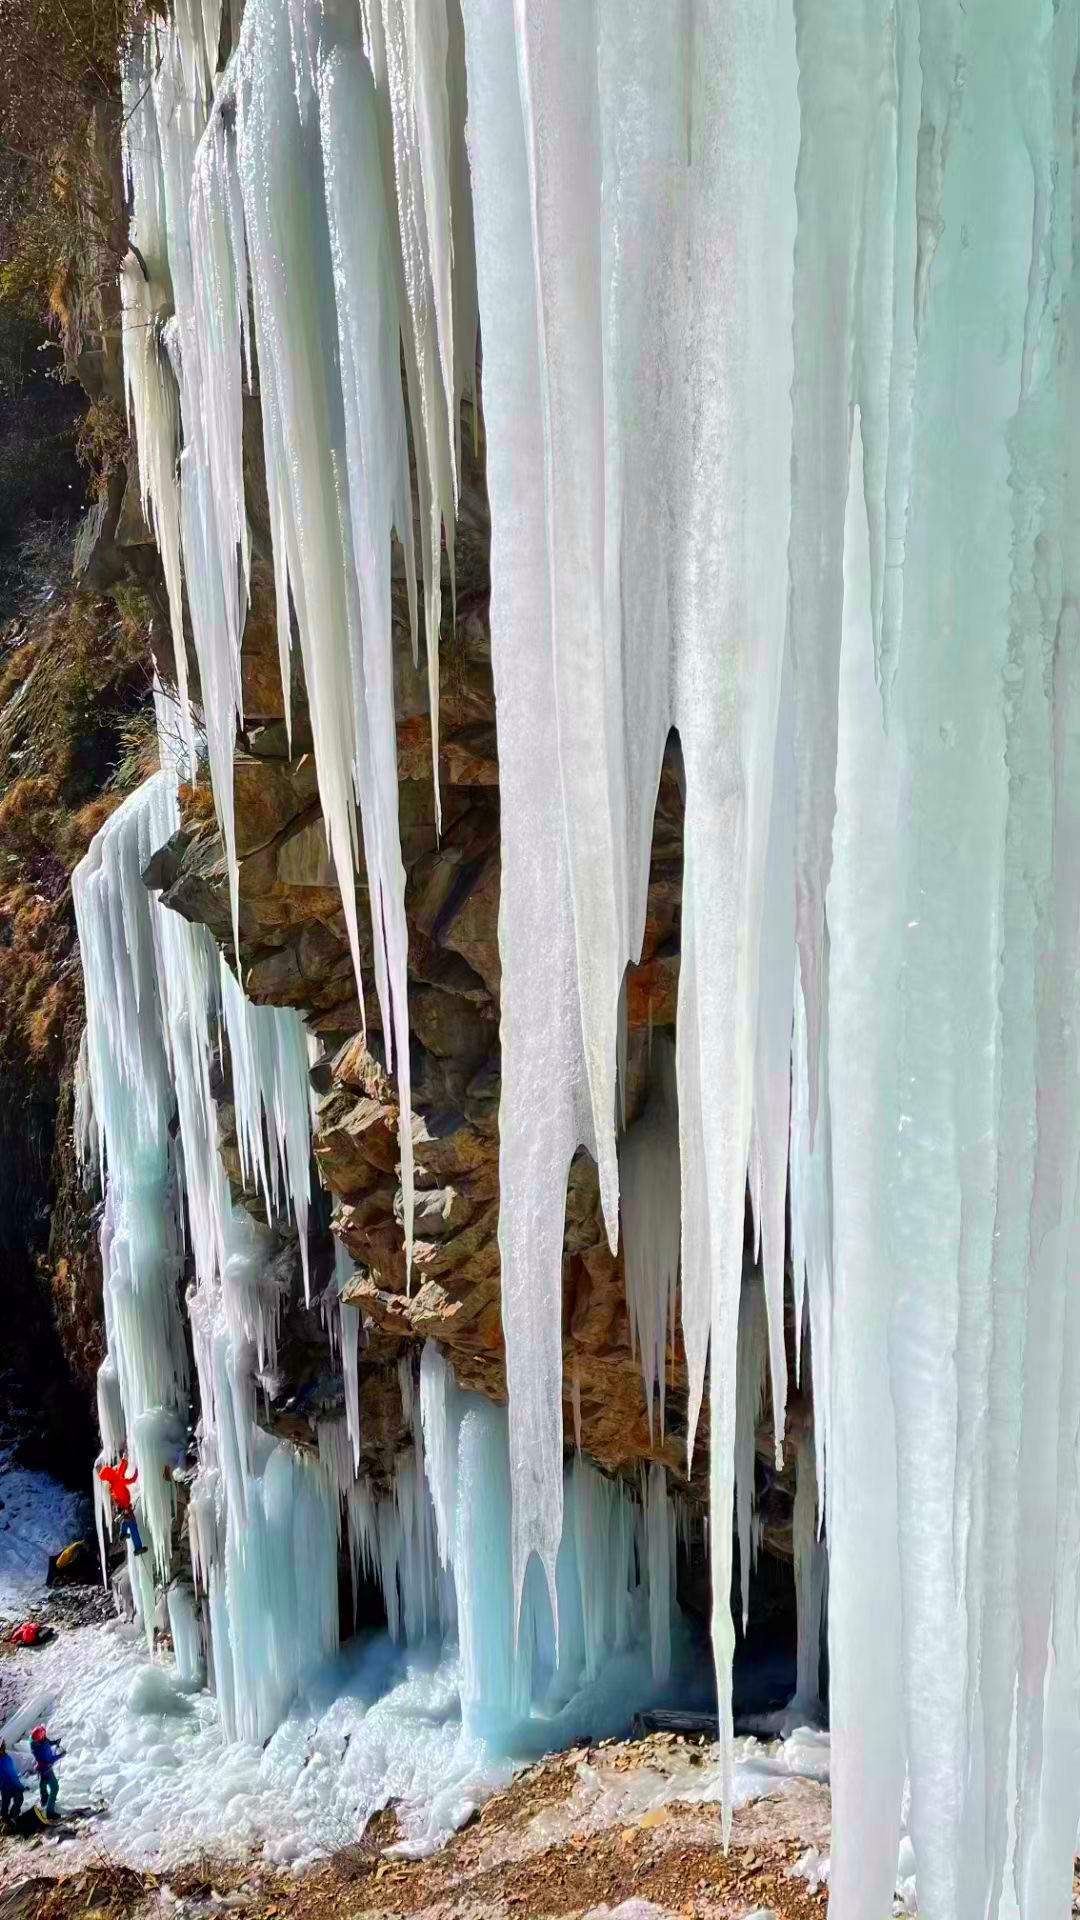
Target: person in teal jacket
[{"x": 46, "y": 1756}]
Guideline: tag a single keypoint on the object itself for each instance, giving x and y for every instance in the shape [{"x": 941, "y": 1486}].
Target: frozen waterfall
[
  {"x": 264, "y": 1517},
  {"x": 681, "y": 221},
  {"x": 263, "y": 1528},
  {"x": 780, "y": 314}
]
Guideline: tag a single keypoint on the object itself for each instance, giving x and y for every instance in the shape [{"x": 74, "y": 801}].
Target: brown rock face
[{"x": 294, "y": 952}]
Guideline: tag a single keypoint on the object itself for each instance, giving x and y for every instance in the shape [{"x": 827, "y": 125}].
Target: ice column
[
  {"x": 142, "y": 1393},
  {"x": 272, "y": 1095},
  {"x": 628, "y": 143},
  {"x": 264, "y": 1523},
  {"x": 545, "y": 1105},
  {"x": 660, "y": 1559}
]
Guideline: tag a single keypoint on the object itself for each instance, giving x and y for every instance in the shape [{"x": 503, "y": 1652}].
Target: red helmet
[{"x": 37, "y": 1733}]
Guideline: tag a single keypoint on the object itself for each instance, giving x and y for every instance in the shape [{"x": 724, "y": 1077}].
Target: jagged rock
[
  {"x": 266, "y": 802},
  {"x": 449, "y": 1025},
  {"x": 303, "y": 857},
  {"x": 259, "y": 670}
]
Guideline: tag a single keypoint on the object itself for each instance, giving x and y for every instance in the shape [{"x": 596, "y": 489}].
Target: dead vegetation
[
  {"x": 61, "y": 236},
  {"x": 74, "y": 693},
  {"x": 102, "y": 444},
  {"x": 107, "y": 1889}
]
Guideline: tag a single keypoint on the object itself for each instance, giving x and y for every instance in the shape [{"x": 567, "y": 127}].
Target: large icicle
[
  {"x": 350, "y": 1349},
  {"x": 415, "y": 52},
  {"x": 772, "y": 1054},
  {"x": 544, "y": 1106},
  {"x": 841, "y": 50},
  {"x": 271, "y": 1093},
  {"x": 670, "y": 184},
  {"x": 852, "y": 1393},
  {"x": 558, "y": 54},
  {"x": 146, "y": 302}
]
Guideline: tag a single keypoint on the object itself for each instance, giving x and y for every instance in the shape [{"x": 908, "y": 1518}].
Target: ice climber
[
  {"x": 46, "y": 1756},
  {"x": 119, "y": 1481},
  {"x": 11, "y": 1787}
]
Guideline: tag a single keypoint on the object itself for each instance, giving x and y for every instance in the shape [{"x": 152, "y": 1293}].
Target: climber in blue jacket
[
  {"x": 11, "y": 1787},
  {"x": 46, "y": 1756}
]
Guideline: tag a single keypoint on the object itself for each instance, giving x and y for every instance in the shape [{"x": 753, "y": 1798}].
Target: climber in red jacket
[{"x": 119, "y": 1481}]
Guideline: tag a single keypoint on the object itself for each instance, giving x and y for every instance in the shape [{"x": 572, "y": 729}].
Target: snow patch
[{"x": 38, "y": 1518}]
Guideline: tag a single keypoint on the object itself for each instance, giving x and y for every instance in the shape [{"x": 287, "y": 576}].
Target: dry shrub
[
  {"x": 138, "y": 756},
  {"x": 75, "y": 729},
  {"x": 86, "y": 821},
  {"x": 59, "y": 115},
  {"x": 108, "y": 1889},
  {"x": 26, "y": 813},
  {"x": 17, "y": 667},
  {"x": 196, "y": 803},
  {"x": 102, "y": 444},
  {"x": 47, "y": 1021}
]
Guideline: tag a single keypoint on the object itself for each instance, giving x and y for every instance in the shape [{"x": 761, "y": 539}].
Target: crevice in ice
[
  {"x": 751, "y": 1379},
  {"x": 651, "y": 1225}
]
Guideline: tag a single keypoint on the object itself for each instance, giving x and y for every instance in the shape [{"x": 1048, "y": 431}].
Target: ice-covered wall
[
  {"x": 780, "y": 380},
  {"x": 263, "y": 1524},
  {"x": 264, "y": 1517},
  {"x": 778, "y": 309}
]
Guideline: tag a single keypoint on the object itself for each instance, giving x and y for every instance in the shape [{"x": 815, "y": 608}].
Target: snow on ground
[
  {"x": 612, "y": 1796},
  {"x": 155, "y": 1759},
  {"x": 373, "y": 1726},
  {"x": 37, "y": 1518}
]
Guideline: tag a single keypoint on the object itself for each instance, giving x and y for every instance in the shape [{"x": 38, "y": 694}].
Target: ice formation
[
  {"x": 649, "y": 1180},
  {"x": 265, "y": 1518},
  {"x": 264, "y": 1529},
  {"x": 780, "y": 380},
  {"x": 370, "y": 244},
  {"x": 872, "y": 210},
  {"x": 272, "y": 1098}
]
